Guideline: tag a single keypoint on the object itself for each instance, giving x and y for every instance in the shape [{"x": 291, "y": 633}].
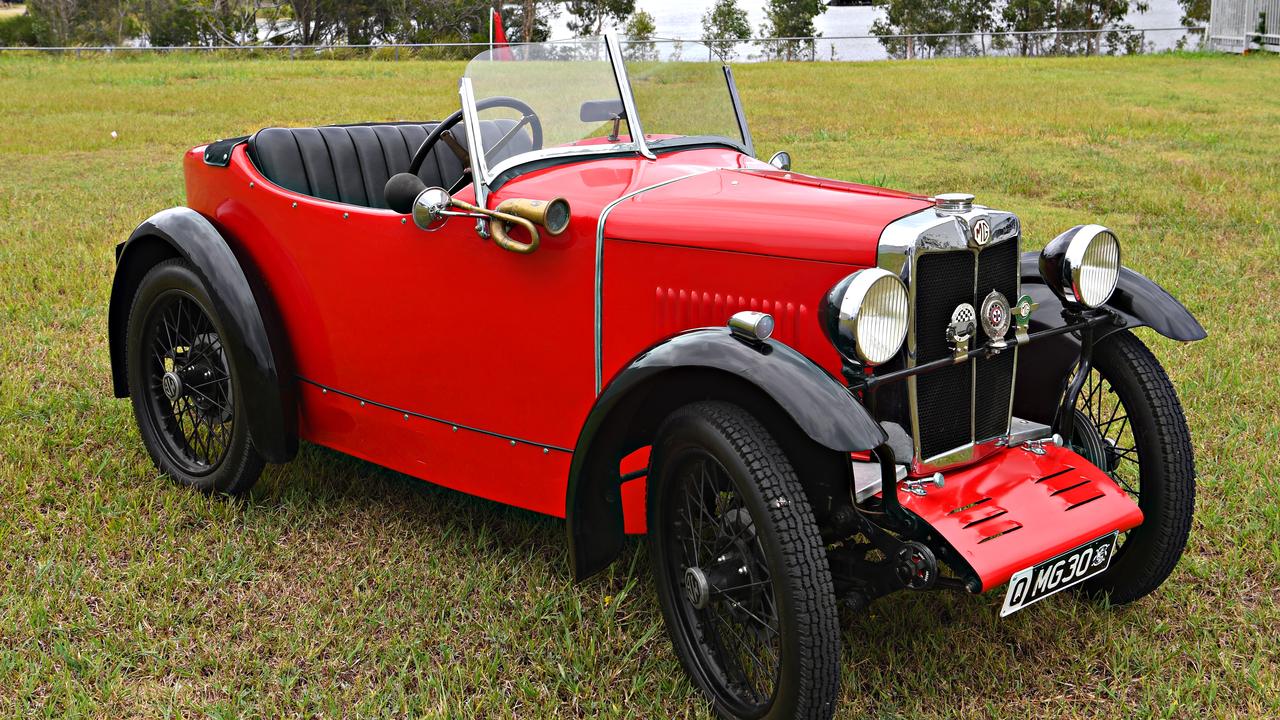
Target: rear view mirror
[
  {"x": 431, "y": 208},
  {"x": 781, "y": 160},
  {"x": 600, "y": 110}
]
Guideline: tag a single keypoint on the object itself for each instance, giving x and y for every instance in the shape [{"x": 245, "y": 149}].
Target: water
[{"x": 683, "y": 19}]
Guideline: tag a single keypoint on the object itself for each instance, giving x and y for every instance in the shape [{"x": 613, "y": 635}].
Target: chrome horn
[{"x": 433, "y": 205}]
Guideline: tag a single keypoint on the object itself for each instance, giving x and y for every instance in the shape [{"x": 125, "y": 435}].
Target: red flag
[{"x": 501, "y": 52}]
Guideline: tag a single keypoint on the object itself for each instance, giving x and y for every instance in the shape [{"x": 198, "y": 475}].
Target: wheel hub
[
  {"x": 171, "y": 384},
  {"x": 697, "y": 589},
  {"x": 1088, "y": 441}
]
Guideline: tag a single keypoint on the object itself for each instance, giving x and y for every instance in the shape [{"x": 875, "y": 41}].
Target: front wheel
[
  {"x": 1129, "y": 423},
  {"x": 740, "y": 568}
]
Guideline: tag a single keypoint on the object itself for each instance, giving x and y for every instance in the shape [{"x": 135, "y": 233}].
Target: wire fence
[{"x": 1104, "y": 41}]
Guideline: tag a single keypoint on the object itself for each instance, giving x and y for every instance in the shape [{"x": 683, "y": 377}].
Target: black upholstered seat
[{"x": 352, "y": 163}]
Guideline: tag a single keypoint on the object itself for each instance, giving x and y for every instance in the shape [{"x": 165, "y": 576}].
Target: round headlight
[
  {"x": 865, "y": 315},
  {"x": 1082, "y": 265}
]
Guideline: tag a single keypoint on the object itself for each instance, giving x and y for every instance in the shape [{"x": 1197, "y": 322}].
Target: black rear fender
[{"x": 255, "y": 339}]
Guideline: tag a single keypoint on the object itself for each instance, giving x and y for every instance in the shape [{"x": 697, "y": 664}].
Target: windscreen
[
  {"x": 569, "y": 87},
  {"x": 563, "y": 98},
  {"x": 682, "y": 94}
]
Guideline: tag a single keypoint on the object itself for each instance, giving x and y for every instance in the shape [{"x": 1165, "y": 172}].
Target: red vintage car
[{"x": 805, "y": 391}]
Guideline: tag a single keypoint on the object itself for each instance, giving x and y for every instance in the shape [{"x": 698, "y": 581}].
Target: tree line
[
  {"x": 924, "y": 28},
  {"x": 1029, "y": 27},
  {"x": 725, "y": 23}
]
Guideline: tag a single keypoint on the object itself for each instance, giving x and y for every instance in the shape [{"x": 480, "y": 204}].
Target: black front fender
[
  {"x": 1045, "y": 366},
  {"x": 767, "y": 377},
  {"x": 254, "y": 341}
]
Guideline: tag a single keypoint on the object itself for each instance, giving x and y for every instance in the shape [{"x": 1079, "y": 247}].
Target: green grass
[{"x": 341, "y": 589}]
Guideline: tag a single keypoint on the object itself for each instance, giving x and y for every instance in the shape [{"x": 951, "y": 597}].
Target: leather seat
[{"x": 352, "y": 163}]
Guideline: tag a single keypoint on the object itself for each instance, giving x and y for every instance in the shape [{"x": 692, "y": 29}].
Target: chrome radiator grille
[{"x": 968, "y": 402}]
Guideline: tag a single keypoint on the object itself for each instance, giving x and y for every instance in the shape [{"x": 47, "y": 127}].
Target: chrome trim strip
[
  {"x": 442, "y": 421},
  {"x": 737, "y": 110},
  {"x": 628, "y": 99},
  {"x": 599, "y": 299},
  {"x": 475, "y": 141},
  {"x": 901, "y": 244}
]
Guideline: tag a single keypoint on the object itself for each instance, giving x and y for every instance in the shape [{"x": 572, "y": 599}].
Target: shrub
[{"x": 18, "y": 30}]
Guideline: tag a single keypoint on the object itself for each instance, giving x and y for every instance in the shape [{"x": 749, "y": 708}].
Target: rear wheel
[
  {"x": 186, "y": 397},
  {"x": 1129, "y": 423},
  {"x": 740, "y": 568}
]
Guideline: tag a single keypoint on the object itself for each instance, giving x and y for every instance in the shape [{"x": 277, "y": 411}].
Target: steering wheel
[{"x": 528, "y": 117}]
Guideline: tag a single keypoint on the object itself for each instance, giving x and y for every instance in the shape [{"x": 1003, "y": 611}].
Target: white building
[{"x": 1234, "y": 25}]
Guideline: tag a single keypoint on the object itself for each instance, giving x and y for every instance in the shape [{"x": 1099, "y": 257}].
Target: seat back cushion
[{"x": 352, "y": 163}]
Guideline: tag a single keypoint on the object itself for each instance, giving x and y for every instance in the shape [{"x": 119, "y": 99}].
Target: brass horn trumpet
[
  {"x": 498, "y": 230},
  {"x": 432, "y": 205}
]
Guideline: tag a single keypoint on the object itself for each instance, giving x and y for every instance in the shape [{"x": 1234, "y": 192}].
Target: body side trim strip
[
  {"x": 599, "y": 299},
  {"x": 442, "y": 421}
]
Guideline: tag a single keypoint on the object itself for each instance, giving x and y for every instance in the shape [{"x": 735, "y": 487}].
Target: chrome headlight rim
[
  {"x": 844, "y": 310},
  {"x": 1073, "y": 262}
]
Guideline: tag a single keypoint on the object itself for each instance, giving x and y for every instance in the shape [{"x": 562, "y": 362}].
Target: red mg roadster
[{"x": 582, "y": 294}]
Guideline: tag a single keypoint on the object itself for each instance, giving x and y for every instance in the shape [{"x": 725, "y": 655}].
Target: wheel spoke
[{"x": 208, "y": 399}]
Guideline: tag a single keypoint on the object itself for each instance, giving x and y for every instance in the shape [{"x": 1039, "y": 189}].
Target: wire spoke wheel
[
  {"x": 189, "y": 394},
  {"x": 726, "y": 579},
  {"x": 740, "y": 567},
  {"x": 1129, "y": 423}
]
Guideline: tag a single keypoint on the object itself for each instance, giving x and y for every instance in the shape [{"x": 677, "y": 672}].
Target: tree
[
  {"x": 169, "y": 22},
  {"x": 723, "y": 26},
  {"x": 53, "y": 20},
  {"x": 227, "y": 22},
  {"x": 1030, "y": 19},
  {"x": 1099, "y": 16},
  {"x": 791, "y": 19},
  {"x": 314, "y": 20},
  {"x": 531, "y": 19},
  {"x": 588, "y": 17},
  {"x": 1194, "y": 12},
  {"x": 640, "y": 29},
  {"x": 935, "y": 21}
]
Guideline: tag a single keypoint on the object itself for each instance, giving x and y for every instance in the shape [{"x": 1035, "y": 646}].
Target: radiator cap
[{"x": 953, "y": 203}]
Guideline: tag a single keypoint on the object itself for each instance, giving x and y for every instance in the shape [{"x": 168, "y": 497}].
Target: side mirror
[
  {"x": 430, "y": 208},
  {"x": 600, "y": 110},
  {"x": 781, "y": 160}
]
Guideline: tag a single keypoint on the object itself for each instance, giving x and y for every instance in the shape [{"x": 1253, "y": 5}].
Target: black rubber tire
[
  {"x": 803, "y": 594},
  {"x": 1167, "y": 472},
  {"x": 240, "y": 463}
]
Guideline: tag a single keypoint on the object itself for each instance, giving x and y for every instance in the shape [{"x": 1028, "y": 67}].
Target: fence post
[{"x": 397, "y": 53}]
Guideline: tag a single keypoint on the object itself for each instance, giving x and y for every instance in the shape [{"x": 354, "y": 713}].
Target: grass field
[{"x": 340, "y": 589}]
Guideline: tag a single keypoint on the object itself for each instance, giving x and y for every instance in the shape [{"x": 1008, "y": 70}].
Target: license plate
[{"x": 1038, "y": 582}]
